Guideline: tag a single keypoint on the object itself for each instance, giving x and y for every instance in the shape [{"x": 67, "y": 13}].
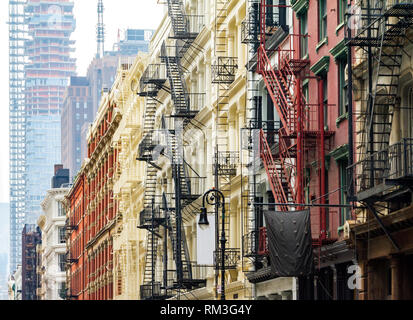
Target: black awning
[{"x": 289, "y": 243}]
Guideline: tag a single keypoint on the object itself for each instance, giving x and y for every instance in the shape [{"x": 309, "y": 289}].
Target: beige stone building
[
  {"x": 194, "y": 88},
  {"x": 382, "y": 89}
]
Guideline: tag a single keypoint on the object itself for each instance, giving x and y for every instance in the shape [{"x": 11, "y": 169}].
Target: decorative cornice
[
  {"x": 321, "y": 66},
  {"x": 339, "y": 51},
  {"x": 300, "y": 6},
  {"x": 340, "y": 152}
]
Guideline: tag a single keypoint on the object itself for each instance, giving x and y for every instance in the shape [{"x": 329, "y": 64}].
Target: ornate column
[{"x": 395, "y": 277}]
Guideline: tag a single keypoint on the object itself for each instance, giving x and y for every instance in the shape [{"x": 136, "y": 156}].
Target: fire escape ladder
[
  {"x": 179, "y": 91},
  {"x": 383, "y": 35},
  {"x": 278, "y": 90},
  {"x": 150, "y": 260},
  {"x": 176, "y": 12},
  {"x": 184, "y": 252},
  {"x": 275, "y": 173}
]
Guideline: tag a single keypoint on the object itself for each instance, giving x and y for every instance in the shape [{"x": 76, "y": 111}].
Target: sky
[{"x": 119, "y": 15}]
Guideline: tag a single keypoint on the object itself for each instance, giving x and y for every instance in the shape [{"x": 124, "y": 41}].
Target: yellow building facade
[
  {"x": 182, "y": 107},
  {"x": 128, "y": 184},
  {"x": 195, "y": 89}
]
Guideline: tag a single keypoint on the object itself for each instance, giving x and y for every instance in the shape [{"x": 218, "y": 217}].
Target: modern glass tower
[
  {"x": 17, "y": 121},
  {"x": 40, "y": 67},
  {"x": 47, "y": 73}
]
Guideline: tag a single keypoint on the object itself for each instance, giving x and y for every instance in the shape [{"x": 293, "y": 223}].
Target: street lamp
[{"x": 215, "y": 198}]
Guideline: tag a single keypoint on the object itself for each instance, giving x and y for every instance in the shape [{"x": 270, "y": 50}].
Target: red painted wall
[{"x": 340, "y": 136}]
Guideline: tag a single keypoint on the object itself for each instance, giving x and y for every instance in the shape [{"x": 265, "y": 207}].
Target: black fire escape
[
  {"x": 185, "y": 29},
  {"x": 152, "y": 81},
  {"x": 383, "y": 175},
  {"x": 160, "y": 216},
  {"x": 254, "y": 240}
]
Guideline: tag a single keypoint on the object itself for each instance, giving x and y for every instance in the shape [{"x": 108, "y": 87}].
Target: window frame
[
  {"x": 304, "y": 33},
  {"x": 342, "y": 87},
  {"x": 342, "y": 8},
  {"x": 322, "y": 20}
]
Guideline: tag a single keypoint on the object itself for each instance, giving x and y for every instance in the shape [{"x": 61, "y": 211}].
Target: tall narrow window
[
  {"x": 61, "y": 210},
  {"x": 342, "y": 8},
  {"x": 322, "y": 19},
  {"x": 325, "y": 100},
  {"x": 343, "y": 101},
  {"x": 62, "y": 235},
  {"x": 345, "y": 213},
  {"x": 304, "y": 34},
  {"x": 62, "y": 262}
]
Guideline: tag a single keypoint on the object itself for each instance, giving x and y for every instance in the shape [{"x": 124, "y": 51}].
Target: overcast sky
[{"x": 119, "y": 15}]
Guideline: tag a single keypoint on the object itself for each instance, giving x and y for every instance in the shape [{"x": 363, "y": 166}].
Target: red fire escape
[{"x": 302, "y": 125}]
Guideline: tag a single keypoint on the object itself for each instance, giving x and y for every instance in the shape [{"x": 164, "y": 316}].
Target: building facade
[
  {"x": 134, "y": 41},
  {"x": 50, "y": 25},
  {"x": 92, "y": 208},
  {"x": 194, "y": 89},
  {"x": 15, "y": 284},
  {"x": 382, "y": 95},
  {"x": 52, "y": 268},
  {"x": 31, "y": 238},
  {"x": 299, "y": 150},
  {"x": 128, "y": 250},
  {"x": 77, "y": 111},
  {"x": 17, "y": 120}
]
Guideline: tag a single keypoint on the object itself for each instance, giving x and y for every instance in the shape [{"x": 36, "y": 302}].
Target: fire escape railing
[{"x": 394, "y": 163}]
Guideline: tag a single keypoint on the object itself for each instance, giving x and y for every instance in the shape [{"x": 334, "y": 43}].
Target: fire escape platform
[
  {"x": 396, "y": 221},
  {"x": 402, "y": 11}
]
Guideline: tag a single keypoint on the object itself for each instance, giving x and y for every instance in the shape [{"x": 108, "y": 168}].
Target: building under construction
[{"x": 50, "y": 65}]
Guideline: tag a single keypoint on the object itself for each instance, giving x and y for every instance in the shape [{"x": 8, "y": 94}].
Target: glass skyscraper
[{"x": 41, "y": 65}]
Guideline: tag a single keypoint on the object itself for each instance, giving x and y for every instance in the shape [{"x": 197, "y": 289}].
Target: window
[
  {"x": 343, "y": 99},
  {"x": 342, "y": 8},
  {"x": 62, "y": 262},
  {"x": 325, "y": 100},
  {"x": 306, "y": 102},
  {"x": 345, "y": 212},
  {"x": 304, "y": 34},
  {"x": 62, "y": 235},
  {"x": 60, "y": 210},
  {"x": 322, "y": 19}
]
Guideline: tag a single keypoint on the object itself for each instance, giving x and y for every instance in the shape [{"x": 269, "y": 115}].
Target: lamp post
[{"x": 216, "y": 198}]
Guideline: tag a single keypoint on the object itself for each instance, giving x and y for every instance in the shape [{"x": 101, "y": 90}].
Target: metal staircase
[
  {"x": 302, "y": 127},
  {"x": 179, "y": 91},
  {"x": 382, "y": 38},
  {"x": 151, "y": 82},
  {"x": 280, "y": 165}
]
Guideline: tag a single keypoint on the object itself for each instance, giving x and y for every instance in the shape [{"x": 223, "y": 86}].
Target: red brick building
[
  {"x": 321, "y": 24},
  {"x": 76, "y": 228},
  {"x": 93, "y": 213}
]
